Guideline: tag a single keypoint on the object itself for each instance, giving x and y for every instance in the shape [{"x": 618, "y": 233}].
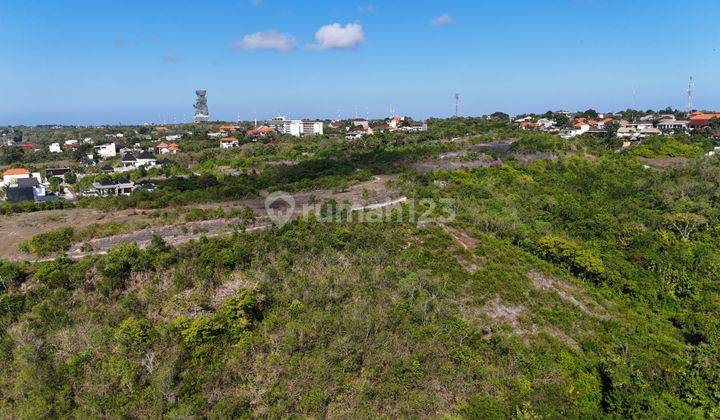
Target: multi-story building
[{"x": 296, "y": 128}]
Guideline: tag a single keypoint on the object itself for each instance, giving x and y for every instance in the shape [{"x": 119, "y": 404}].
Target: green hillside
[{"x": 571, "y": 287}]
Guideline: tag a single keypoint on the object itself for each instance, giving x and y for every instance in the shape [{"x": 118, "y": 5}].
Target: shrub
[
  {"x": 229, "y": 322},
  {"x": 11, "y": 275},
  {"x": 580, "y": 262},
  {"x": 134, "y": 333},
  {"x": 47, "y": 243}
]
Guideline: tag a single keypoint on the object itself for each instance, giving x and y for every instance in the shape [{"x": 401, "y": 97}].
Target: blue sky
[{"x": 102, "y": 61}]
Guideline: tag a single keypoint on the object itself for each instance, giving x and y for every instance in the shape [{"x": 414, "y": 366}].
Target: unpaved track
[{"x": 18, "y": 227}]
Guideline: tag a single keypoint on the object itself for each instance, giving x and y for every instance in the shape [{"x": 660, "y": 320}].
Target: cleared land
[{"x": 18, "y": 227}]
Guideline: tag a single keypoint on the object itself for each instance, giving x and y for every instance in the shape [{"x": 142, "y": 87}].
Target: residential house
[
  {"x": 361, "y": 122},
  {"x": 701, "y": 119},
  {"x": 626, "y": 132},
  {"x": 56, "y": 172},
  {"x": 649, "y": 118},
  {"x": 261, "y": 131},
  {"x": 545, "y": 123},
  {"x": 395, "y": 122},
  {"x": 12, "y": 175},
  {"x": 110, "y": 188},
  {"x": 358, "y": 132},
  {"x": 143, "y": 159},
  {"x": 579, "y": 128},
  {"x": 229, "y": 142},
  {"x": 165, "y": 148},
  {"x": 415, "y": 126},
  {"x": 26, "y": 189},
  {"x": 669, "y": 123},
  {"x": 55, "y": 148},
  {"x": 637, "y": 131},
  {"x": 173, "y": 137},
  {"x": 601, "y": 124},
  {"x": 229, "y": 128},
  {"x": 107, "y": 150}
]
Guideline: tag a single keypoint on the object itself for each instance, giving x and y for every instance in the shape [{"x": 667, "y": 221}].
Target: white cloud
[
  {"x": 443, "y": 19},
  {"x": 336, "y": 36},
  {"x": 266, "y": 40}
]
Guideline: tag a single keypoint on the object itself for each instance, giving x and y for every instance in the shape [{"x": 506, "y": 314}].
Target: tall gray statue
[{"x": 201, "y": 109}]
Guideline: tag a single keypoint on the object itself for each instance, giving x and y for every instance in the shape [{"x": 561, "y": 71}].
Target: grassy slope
[
  {"x": 356, "y": 319},
  {"x": 389, "y": 319}
]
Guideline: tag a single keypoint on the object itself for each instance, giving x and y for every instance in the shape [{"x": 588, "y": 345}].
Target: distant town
[{"x": 47, "y": 163}]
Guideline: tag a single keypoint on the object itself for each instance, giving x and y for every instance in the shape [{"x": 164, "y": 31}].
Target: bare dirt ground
[
  {"x": 18, "y": 227},
  {"x": 665, "y": 161},
  {"x": 490, "y": 155},
  {"x": 567, "y": 293}
]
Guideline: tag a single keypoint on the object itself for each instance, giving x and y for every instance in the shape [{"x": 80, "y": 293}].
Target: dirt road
[{"x": 18, "y": 227}]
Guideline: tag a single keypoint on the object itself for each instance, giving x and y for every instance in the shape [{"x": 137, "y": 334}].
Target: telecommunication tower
[{"x": 457, "y": 104}]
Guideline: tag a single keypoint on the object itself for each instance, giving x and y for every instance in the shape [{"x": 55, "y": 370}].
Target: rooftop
[{"x": 16, "y": 171}]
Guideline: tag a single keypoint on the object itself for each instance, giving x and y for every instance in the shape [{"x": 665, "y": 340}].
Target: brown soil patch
[
  {"x": 567, "y": 293},
  {"x": 665, "y": 161},
  {"x": 500, "y": 312},
  {"x": 16, "y": 228},
  {"x": 462, "y": 238}
]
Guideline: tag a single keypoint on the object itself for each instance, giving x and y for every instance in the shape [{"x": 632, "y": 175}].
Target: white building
[
  {"x": 415, "y": 126},
  {"x": 146, "y": 159},
  {"x": 229, "y": 142},
  {"x": 361, "y": 122},
  {"x": 637, "y": 131},
  {"x": 672, "y": 124},
  {"x": 395, "y": 122},
  {"x": 55, "y": 148},
  {"x": 106, "y": 150},
  {"x": 545, "y": 123},
  {"x": 358, "y": 132},
  {"x": 12, "y": 175},
  {"x": 296, "y": 128},
  {"x": 111, "y": 188},
  {"x": 572, "y": 132}
]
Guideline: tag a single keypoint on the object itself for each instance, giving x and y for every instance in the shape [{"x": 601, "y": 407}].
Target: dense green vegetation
[
  {"x": 44, "y": 244},
  {"x": 676, "y": 146},
  {"x": 586, "y": 286},
  {"x": 645, "y": 237}
]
